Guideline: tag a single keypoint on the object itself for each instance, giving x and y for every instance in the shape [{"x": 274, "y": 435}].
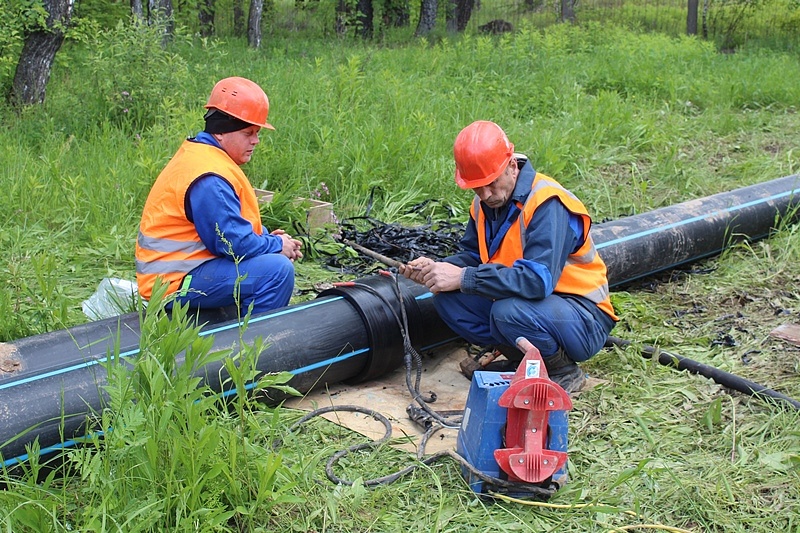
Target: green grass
[{"x": 630, "y": 122}]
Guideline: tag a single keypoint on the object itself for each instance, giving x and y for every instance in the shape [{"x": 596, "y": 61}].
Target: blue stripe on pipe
[
  {"x": 93, "y": 362},
  {"x": 693, "y": 219},
  {"x": 257, "y": 319}
]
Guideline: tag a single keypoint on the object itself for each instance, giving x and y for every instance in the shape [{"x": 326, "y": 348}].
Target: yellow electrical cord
[
  {"x": 649, "y": 526},
  {"x": 589, "y": 506}
]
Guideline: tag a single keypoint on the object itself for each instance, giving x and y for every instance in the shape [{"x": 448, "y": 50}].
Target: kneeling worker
[
  {"x": 202, "y": 215},
  {"x": 527, "y": 266}
]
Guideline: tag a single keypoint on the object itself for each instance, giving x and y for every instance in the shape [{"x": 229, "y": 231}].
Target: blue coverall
[{"x": 498, "y": 304}]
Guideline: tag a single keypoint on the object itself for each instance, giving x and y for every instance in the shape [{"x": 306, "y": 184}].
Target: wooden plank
[{"x": 787, "y": 332}]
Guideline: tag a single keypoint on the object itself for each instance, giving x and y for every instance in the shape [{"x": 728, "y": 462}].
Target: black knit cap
[{"x": 220, "y": 122}]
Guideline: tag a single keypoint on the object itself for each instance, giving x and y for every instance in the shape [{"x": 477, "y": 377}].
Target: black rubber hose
[{"x": 726, "y": 379}]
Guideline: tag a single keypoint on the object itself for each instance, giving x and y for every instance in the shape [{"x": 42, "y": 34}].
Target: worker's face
[
  {"x": 239, "y": 144},
  {"x": 498, "y": 192}
]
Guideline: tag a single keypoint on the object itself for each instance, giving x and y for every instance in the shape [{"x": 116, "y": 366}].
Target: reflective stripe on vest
[
  {"x": 584, "y": 273},
  {"x": 168, "y": 246}
]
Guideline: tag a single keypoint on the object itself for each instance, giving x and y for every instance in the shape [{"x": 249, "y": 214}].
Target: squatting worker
[
  {"x": 202, "y": 213},
  {"x": 527, "y": 266}
]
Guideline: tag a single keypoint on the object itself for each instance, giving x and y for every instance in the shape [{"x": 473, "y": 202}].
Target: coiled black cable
[{"x": 433, "y": 423}]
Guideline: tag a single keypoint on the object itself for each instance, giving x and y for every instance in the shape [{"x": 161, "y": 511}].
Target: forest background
[{"x": 628, "y": 120}]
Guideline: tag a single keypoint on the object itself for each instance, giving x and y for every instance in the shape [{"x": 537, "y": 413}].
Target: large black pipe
[
  {"x": 638, "y": 246},
  {"x": 51, "y": 383},
  {"x": 346, "y": 334}
]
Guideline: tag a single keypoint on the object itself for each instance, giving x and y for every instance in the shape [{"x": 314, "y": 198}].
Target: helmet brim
[{"x": 483, "y": 182}]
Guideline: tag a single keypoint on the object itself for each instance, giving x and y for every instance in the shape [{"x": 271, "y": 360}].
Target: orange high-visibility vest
[
  {"x": 168, "y": 246},
  {"x": 585, "y": 272}
]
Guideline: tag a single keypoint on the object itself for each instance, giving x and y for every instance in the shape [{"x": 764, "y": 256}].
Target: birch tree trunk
[
  {"x": 38, "y": 52},
  {"x": 254, "y": 23},
  {"x": 160, "y": 12},
  {"x": 427, "y": 17},
  {"x": 137, "y": 10}
]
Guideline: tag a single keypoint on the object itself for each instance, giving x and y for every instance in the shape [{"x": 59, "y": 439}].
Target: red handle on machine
[{"x": 529, "y": 398}]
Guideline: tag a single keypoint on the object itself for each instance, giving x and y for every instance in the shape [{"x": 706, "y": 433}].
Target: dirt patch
[{"x": 9, "y": 361}]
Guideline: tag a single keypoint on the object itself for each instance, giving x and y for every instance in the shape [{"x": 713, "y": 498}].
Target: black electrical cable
[
  {"x": 412, "y": 356},
  {"x": 511, "y": 486},
  {"x": 725, "y": 379}
]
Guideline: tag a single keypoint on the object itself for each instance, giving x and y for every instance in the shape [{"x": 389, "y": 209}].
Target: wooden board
[{"x": 787, "y": 332}]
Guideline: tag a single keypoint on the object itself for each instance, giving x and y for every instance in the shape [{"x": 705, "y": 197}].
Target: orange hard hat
[
  {"x": 242, "y": 99},
  {"x": 482, "y": 153}
]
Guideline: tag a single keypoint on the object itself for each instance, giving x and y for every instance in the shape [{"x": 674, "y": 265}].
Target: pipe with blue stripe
[{"x": 53, "y": 382}]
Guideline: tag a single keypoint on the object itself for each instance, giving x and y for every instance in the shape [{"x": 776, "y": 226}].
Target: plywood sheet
[
  {"x": 787, "y": 332},
  {"x": 389, "y": 395}
]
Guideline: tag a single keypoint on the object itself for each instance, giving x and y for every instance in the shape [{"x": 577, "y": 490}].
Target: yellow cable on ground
[
  {"x": 589, "y": 506},
  {"x": 649, "y": 526},
  {"x": 557, "y": 505}
]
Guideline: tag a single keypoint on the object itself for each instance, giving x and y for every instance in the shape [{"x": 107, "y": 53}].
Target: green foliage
[
  {"x": 134, "y": 78},
  {"x": 105, "y": 13},
  {"x": 628, "y": 121},
  {"x": 17, "y": 17},
  {"x": 173, "y": 453}
]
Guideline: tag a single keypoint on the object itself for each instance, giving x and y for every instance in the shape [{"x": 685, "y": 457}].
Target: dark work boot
[
  {"x": 565, "y": 371},
  {"x": 513, "y": 356}
]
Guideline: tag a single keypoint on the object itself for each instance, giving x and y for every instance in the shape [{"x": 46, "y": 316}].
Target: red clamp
[{"x": 528, "y": 399}]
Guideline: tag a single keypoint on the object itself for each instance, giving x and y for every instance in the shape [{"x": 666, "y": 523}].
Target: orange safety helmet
[
  {"x": 482, "y": 153},
  {"x": 242, "y": 99}
]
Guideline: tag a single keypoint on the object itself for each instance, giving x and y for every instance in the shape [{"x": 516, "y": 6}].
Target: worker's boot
[
  {"x": 489, "y": 359},
  {"x": 565, "y": 371}
]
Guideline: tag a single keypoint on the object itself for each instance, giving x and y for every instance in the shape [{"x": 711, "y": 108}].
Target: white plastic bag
[{"x": 113, "y": 297}]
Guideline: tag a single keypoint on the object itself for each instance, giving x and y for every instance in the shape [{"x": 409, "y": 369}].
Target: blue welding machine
[{"x": 515, "y": 427}]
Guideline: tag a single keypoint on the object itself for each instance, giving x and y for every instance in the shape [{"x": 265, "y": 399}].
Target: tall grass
[{"x": 630, "y": 122}]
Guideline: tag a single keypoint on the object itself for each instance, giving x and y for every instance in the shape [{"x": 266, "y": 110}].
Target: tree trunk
[
  {"x": 705, "y": 19},
  {"x": 567, "y": 10},
  {"x": 342, "y": 14},
  {"x": 463, "y": 13},
  {"x": 136, "y": 10},
  {"x": 450, "y": 16},
  {"x": 160, "y": 12},
  {"x": 238, "y": 18},
  {"x": 533, "y": 5},
  {"x": 364, "y": 18},
  {"x": 396, "y": 13},
  {"x": 38, "y": 53},
  {"x": 254, "y": 23},
  {"x": 427, "y": 17},
  {"x": 205, "y": 12},
  {"x": 691, "y": 17}
]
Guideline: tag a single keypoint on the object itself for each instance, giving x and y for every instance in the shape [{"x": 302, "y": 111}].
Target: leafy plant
[{"x": 134, "y": 75}]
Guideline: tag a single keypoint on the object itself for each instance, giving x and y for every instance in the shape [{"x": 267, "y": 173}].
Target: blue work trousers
[
  {"x": 268, "y": 283},
  {"x": 548, "y": 324}
]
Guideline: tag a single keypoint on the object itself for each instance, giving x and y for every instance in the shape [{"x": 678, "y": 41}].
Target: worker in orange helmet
[
  {"x": 527, "y": 266},
  {"x": 201, "y": 226}
]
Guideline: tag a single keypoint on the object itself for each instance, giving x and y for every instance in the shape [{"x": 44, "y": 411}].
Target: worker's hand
[
  {"x": 442, "y": 277},
  {"x": 291, "y": 247},
  {"x": 414, "y": 270}
]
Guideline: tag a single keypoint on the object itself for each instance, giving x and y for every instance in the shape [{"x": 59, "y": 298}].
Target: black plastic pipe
[
  {"x": 50, "y": 384},
  {"x": 725, "y": 379},
  {"x": 641, "y": 245},
  {"x": 346, "y": 334}
]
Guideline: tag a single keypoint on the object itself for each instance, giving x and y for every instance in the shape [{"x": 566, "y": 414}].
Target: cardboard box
[{"x": 318, "y": 213}]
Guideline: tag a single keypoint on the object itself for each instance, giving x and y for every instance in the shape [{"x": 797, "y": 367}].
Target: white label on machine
[{"x": 532, "y": 369}]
